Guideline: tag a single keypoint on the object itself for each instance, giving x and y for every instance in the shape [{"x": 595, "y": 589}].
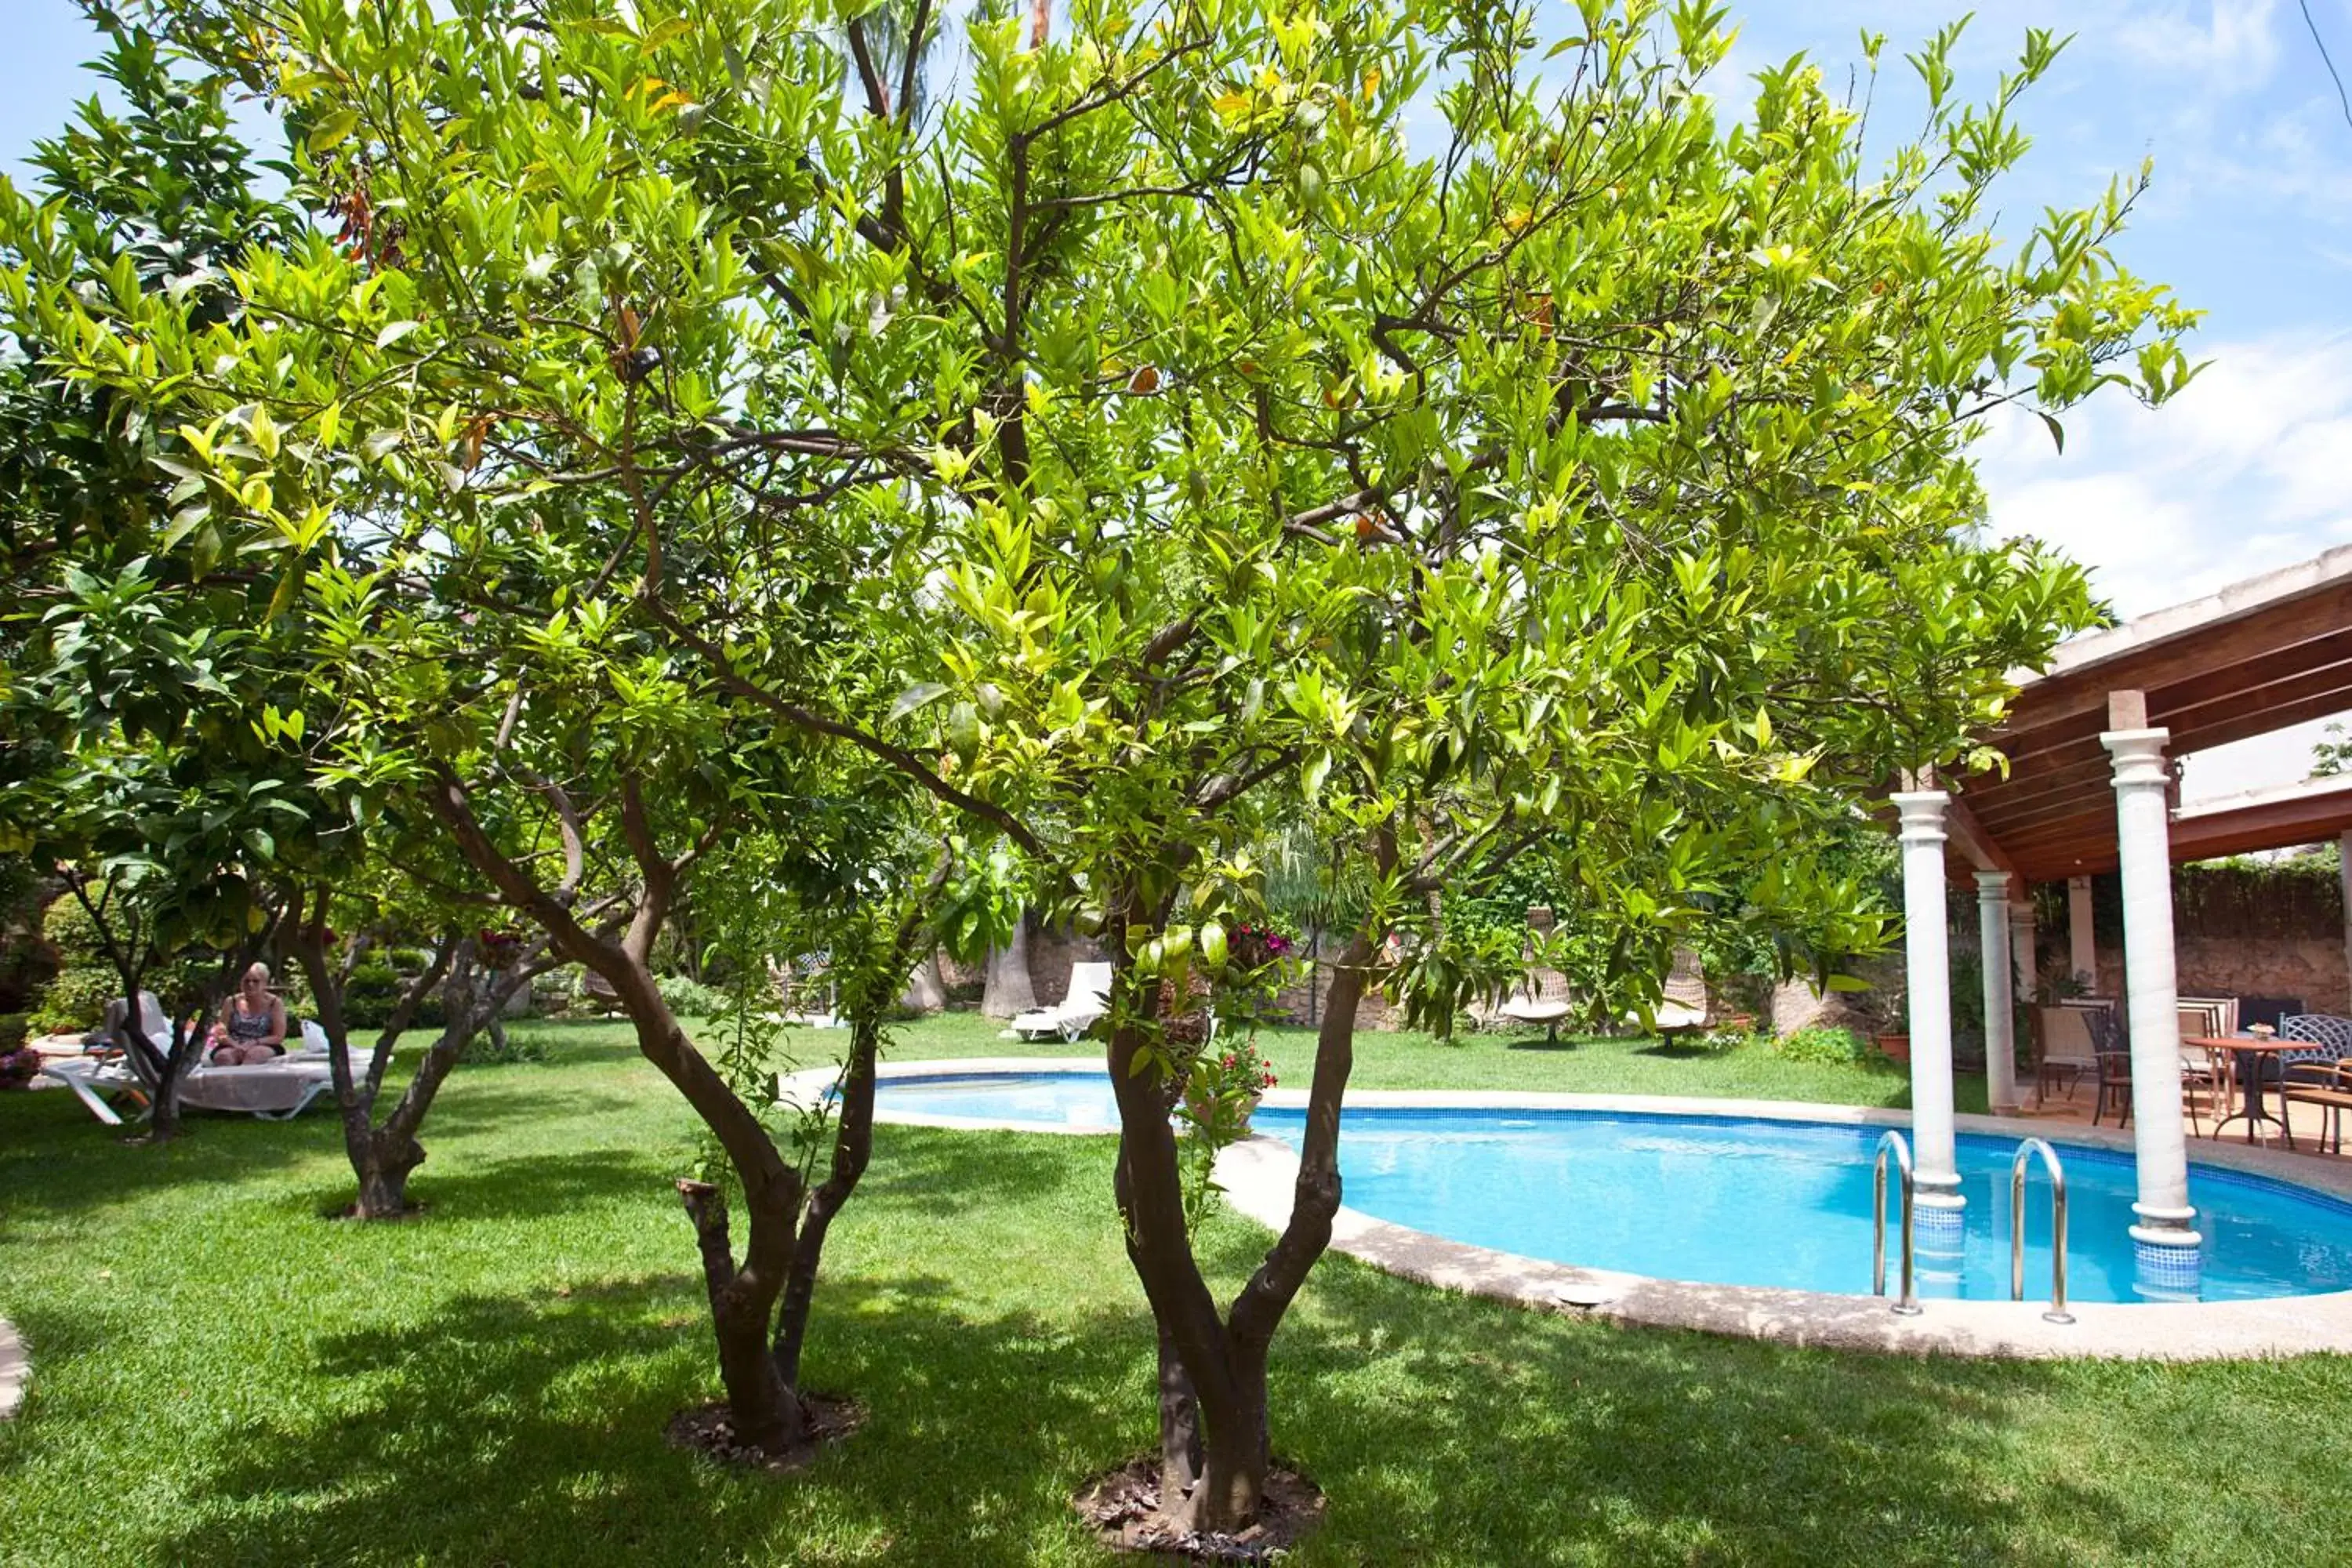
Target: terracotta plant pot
[{"x": 1897, "y": 1048}]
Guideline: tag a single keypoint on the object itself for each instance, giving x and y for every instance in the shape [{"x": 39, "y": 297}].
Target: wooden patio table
[{"x": 2248, "y": 1051}]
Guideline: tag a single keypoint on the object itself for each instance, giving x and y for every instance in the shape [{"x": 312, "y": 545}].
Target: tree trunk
[
  {"x": 1180, "y": 1424},
  {"x": 381, "y": 1158},
  {"x": 764, "y": 1408},
  {"x": 164, "y": 1123},
  {"x": 1214, "y": 1415},
  {"x": 382, "y": 1164},
  {"x": 853, "y": 1149},
  {"x": 1009, "y": 993},
  {"x": 925, "y": 993}
]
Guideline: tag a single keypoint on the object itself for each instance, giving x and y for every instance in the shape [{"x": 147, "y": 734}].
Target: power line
[{"x": 2341, "y": 96}]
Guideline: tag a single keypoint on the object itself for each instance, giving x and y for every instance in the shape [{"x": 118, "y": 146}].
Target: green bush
[
  {"x": 489, "y": 1050},
  {"x": 75, "y": 1000},
  {"x": 690, "y": 998},
  {"x": 66, "y": 926},
  {"x": 375, "y": 990},
  {"x": 1826, "y": 1045}
]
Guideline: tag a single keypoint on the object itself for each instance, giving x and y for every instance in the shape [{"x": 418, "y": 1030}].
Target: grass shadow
[
  {"x": 1459, "y": 1432},
  {"x": 526, "y": 1431}
]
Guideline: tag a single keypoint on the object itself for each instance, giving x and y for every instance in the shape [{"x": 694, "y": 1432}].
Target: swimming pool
[{"x": 1749, "y": 1201}]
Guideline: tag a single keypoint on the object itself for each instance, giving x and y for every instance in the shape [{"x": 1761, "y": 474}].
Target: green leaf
[
  {"x": 332, "y": 130},
  {"x": 921, "y": 694}
]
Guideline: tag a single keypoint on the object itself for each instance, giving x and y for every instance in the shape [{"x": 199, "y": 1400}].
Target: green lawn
[
  {"x": 1517, "y": 1060},
  {"x": 223, "y": 1377}
]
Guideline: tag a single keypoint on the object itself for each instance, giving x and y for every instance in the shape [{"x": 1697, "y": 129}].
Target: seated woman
[{"x": 252, "y": 1026}]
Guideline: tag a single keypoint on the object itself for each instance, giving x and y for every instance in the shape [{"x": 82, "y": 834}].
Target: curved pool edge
[{"x": 1259, "y": 1175}]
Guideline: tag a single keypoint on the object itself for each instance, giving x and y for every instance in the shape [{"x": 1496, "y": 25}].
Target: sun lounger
[
  {"x": 1088, "y": 1000},
  {"x": 275, "y": 1090}
]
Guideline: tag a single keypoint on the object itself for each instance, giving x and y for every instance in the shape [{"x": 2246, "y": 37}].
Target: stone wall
[
  {"x": 2311, "y": 969},
  {"x": 1291, "y": 1001},
  {"x": 1797, "y": 1005},
  {"x": 1051, "y": 953}
]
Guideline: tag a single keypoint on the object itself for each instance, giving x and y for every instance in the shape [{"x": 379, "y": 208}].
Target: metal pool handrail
[
  {"x": 2025, "y": 1152},
  {"x": 1891, "y": 1140}
]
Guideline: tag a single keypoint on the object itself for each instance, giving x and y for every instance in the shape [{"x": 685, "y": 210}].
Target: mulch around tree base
[
  {"x": 1125, "y": 1509},
  {"x": 710, "y": 1430}
]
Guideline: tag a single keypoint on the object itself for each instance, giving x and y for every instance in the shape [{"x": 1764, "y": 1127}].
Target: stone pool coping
[
  {"x": 16, "y": 1371},
  {"x": 1258, "y": 1176}
]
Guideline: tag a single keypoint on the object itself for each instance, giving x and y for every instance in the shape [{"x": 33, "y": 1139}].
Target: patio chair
[
  {"x": 2208, "y": 1071},
  {"x": 1087, "y": 999},
  {"x": 2309, "y": 1072},
  {"x": 2111, "y": 1057},
  {"x": 1686, "y": 1010},
  {"x": 2331, "y": 1092},
  {"x": 1542, "y": 999},
  {"x": 2206, "y": 1067},
  {"x": 2062, "y": 1047},
  {"x": 814, "y": 972}
]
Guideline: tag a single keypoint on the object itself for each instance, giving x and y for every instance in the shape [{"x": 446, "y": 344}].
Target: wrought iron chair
[
  {"x": 2111, "y": 1051},
  {"x": 2312, "y": 1072}
]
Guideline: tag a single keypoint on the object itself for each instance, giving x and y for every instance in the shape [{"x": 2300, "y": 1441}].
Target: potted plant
[{"x": 1222, "y": 1092}]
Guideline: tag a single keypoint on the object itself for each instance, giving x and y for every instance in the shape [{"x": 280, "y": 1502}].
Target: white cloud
[
  {"x": 2248, "y": 471},
  {"x": 2230, "y": 45}
]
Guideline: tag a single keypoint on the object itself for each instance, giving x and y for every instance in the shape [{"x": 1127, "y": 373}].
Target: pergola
[{"x": 2092, "y": 786}]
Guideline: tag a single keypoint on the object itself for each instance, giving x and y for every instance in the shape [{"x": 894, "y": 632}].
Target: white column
[
  {"x": 1927, "y": 967},
  {"x": 2082, "y": 946},
  {"x": 2166, "y": 1233},
  {"x": 2000, "y": 997},
  {"x": 2021, "y": 941}
]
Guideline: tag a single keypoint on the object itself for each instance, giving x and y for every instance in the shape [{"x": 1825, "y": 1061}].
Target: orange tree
[{"x": 1151, "y": 443}]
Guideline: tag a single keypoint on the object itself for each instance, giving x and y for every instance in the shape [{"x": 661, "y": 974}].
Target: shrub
[
  {"x": 690, "y": 998},
  {"x": 491, "y": 1050},
  {"x": 76, "y": 999},
  {"x": 375, "y": 990},
  {"x": 66, "y": 926},
  {"x": 1828, "y": 1045}
]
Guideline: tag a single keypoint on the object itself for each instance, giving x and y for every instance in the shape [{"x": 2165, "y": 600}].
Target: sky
[{"x": 2249, "y": 219}]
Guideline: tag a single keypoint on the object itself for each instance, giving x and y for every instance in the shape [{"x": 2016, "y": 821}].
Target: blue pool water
[{"x": 1733, "y": 1201}]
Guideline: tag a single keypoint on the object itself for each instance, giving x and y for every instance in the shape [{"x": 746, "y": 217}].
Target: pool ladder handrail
[
  {"x": 1893, "y": 1141},
  {"x": 2025, "y": 1153}
]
